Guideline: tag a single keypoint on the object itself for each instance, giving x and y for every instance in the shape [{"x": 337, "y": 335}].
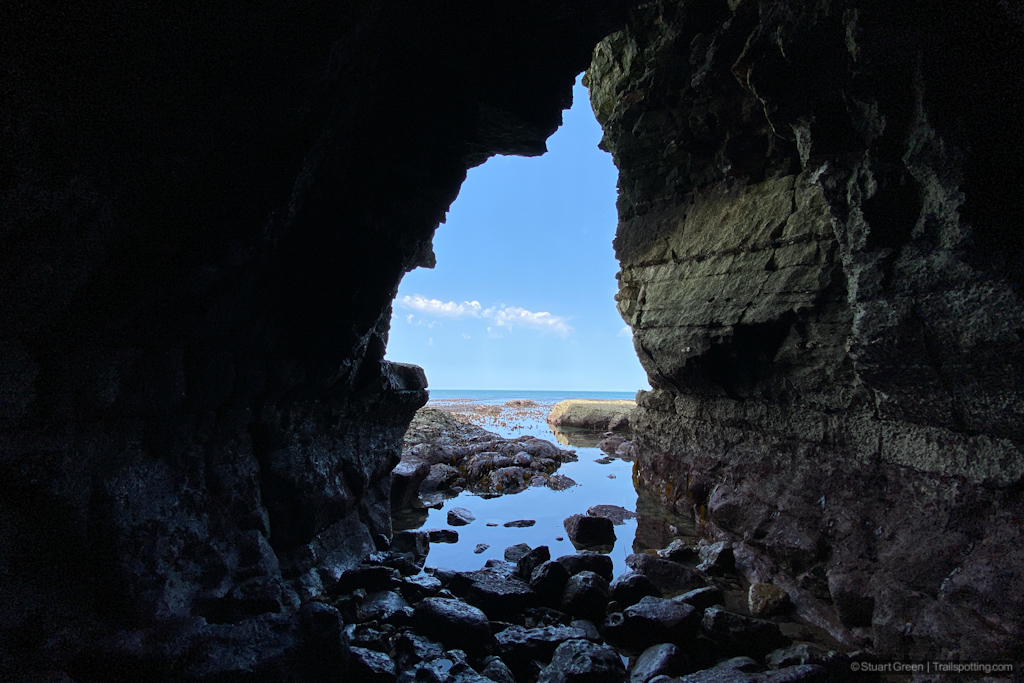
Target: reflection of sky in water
[{"x": 549, "y": 508}]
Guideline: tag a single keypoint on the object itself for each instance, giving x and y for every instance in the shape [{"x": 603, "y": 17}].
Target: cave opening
[{"x": 522, "y": 293}]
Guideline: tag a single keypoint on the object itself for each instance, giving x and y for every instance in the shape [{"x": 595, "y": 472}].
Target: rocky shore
[
  {"x": 443, "y": 456},
  {"x": 533, "y": 618}
]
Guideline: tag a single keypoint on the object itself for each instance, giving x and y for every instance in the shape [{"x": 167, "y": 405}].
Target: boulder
[
  {"x": 663, "y": 659},
  {"x": 519, "y": 523},
  {"x": 501, "y": 596},
  {"x": 531, "y": 560},
  {"x": 519, "y": 647},
  {"x": 651, "y": 621},
  {"x": 406, "y": 478},
  {"x": 371, "y": 666},
  {"x": 460, "y": 516},
  {"x": 629, "y": 588},
  {"x": 589, "y": 532},
  {"x": 588, "y": 561},
  {"x": 514, "y": 552},
  {"x": 702, "y": 598},
  {"x": 582, "y": 660},
  {"x": 453, "y": 623},
  {"x": 443, "y": 535},
  {"x": 586, "y": 595},
  {"x": 716, "y": 558},
  {"x": 548, "y": 582},
  {"x": 667, "y": 575},
  {"x": 764, "y": 599},
  {"x": 591, "y": 414}
]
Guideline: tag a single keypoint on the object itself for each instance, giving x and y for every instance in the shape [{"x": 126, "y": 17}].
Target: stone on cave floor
[
  {"x": 371, "y": 666},
  {"x": 586, "y": 596},
  {"x": 481, "y": 547},
  {"x": 649, "y": 622},
  {"x": 499, "y": 594},
  {"x": 616, "y": 513},
  {"x": 739, "y": 634},
  {"x": 582, "y": 660},
  {"x": 703, "y": 597},
  {"x": 460, "y": 516},
  {"x": 526, "y": 564},
  {"x": 496, "y": 670},
  {"x": 766, "y": 599},
  {"x": 586, "y": 560},
  {"x": 548, "y": 582},
  {"x": 666, "y": 575},
  {"x": 585, "y": 531},
  {"x": 518, "y": 647},
  {"x": 662, "y": 659},
  {"x": 629, "y": 588},
  {"x": 453, "y": 623}
]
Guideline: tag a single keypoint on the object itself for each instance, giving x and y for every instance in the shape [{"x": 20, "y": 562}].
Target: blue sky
[{"x": 522, "y": 296}]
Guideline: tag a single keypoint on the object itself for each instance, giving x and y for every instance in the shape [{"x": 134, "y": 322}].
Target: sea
[{"x": 600, "y": 479}]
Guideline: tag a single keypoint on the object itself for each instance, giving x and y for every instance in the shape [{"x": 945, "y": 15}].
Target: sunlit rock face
[
  {"x": 206, "y": 210},
  {"x": 822, "y": 267}
]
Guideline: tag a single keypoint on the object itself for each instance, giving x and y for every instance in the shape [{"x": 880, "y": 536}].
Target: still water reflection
[{"x": 602, "y": 480}]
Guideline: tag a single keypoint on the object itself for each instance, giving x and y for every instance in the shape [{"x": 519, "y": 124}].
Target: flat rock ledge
[
  {"x": 540, "y": 619},
  {"x": 593, "y": 414}
]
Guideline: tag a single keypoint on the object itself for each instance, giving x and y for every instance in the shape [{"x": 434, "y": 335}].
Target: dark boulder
[
  {"x": 581, "y": 661},
  {"x": 589, "y": 532},
  {"x": 548, "y": 582},
  {"x": 742, "y": 635},
  {"x": 666, "y": 575},
  {"x": 371, "y": 666},
  {"x": 453, "y": 623},
  {"x": 630, "y": 587},
  {"x": 588, "y": 561},
  {"x": 586, "y": 595},
  {"x": 519, "y": 647},
  {"x": 651, "y": 621},
  {"x": 530, "y": 561},
  {"x": 663, "y": 659}
]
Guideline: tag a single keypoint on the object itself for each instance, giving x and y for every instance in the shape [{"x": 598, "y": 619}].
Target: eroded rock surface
[{"x": 810, "y": 205}]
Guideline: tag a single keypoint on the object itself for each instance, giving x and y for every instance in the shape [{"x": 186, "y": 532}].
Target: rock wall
[
  {"x": 821, "y": 265},
  {"x": 205, "y": 213}
]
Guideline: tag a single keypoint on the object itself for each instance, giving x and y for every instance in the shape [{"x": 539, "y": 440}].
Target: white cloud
[
  {"x": 625, "y": 332},
  {"x": 447, "y": 309},
  {"x": 466, "y": 336},
  {"x": 409, "y": 318},
  {"x": 430, "y": 342},
  {"x": 507, "y": 317},
  {"x": 514, "y": 316}
]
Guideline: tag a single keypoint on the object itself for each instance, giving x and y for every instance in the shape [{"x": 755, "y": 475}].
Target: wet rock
[
  {"x": 548, "y": 582},
  {"x": 519, "y": 647},
  {"x": 412, "y": 648},
  {"x": 520, "y": 523},
  {"x": 702, "y": 598},
  {"x": 616, "y": 513},
  {"x": 666, "y": 575},
  {"x": 588, "y": 561},
  {"x": 800, "y": 653},
  {"x": 625, "y": 451},
  {"x": 582, "y": 660},
  {"x": 440, "y": 478},
  {"x": 629, "y": 588},
  {"x": 501, "y": 596},
  {"x": 764, "y": 599},
  {"x": 514, "y": 553},
  {"x": 415, "y": 543},
  {"x": 530, "y": 561},
  {"x": 417, "y": 587},
  {"x": 326, "y": 645},
  {"x": 588, "y": 532},
  {"x": 678, "y": 551},
  {"x": 407, "y": 564},
  {"x": 443, "y": 535},
  {"x": 460, "y": 516},
  {"x": 651, "y": 621},
  {"x": 481, "y": 547},
  {"x": 663, "y": 659},
  {"x": 586, "y": 595},
  {"x": 453, "y": 623},
  {"x": 367, "y": 577},
  {"x": 371, "y": 666},
  {"x": 745, "y": 670},
  {"x": 740, "y": 634},
  {"x": 496, "y": 670},
  {"x": 385, "y": 606},
  {"x": 406, "y": 479},
  {"x": 716, "y": 558},
  {"x": 559, "y": 482},
  {"x": 507, "y": 480}
]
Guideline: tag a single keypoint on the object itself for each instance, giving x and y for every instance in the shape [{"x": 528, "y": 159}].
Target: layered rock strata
[
  {"x": 821, "y": 267},
  {"x": 205, "y": 213}
]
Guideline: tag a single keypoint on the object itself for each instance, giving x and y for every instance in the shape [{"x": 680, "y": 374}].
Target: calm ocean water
[{"x": 503, "y": 395}]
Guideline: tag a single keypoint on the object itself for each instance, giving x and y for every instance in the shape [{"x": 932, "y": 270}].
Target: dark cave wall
[
  {"x": 206, "y": 211},
  {"x": 822, "y": 269}
]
